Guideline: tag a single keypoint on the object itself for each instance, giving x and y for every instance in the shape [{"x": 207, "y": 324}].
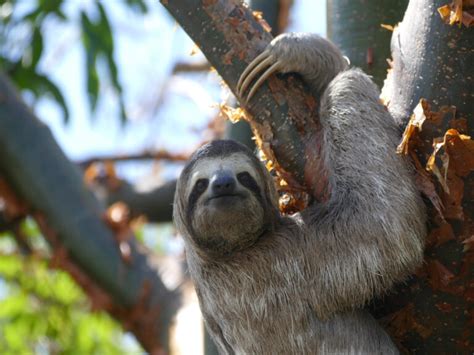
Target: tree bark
[
  {"x": 431, "y": 60},
  {"x": 230, "y": 37},
  {"x": 433, "y": 313},
  {"x": 355, "y": 27},
  {"x": 276, "y": 14},
  {"x": 71, "y": 220}
]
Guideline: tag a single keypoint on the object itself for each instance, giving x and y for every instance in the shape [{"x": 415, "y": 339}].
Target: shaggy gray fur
[{"x": 299, "y": 285}]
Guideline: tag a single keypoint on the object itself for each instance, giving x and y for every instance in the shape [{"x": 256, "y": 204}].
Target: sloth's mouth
[{"x": 225, "y": 197}]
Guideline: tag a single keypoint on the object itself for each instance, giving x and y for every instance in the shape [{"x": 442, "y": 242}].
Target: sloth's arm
[{"x": 370, "y": 233}]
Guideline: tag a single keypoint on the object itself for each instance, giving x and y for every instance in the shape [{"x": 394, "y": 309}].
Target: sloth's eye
[
  {"x": 244, "y": 178},
  {"x": 201, "y": 185}
]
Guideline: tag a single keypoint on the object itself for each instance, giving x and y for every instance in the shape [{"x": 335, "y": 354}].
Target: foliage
[
  {"x": 22, "y": 43},
  {"x": 44, "y": 311}
]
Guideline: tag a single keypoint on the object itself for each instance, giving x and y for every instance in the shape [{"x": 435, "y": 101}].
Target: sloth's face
[{"x": 225, "y": 204}]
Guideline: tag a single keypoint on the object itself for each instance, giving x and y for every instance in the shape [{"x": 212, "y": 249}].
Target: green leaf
[
  {"x": 91, "y": 49},
  {"x": 49, "y": 87},
  {"x": 50, "y": 5},
  {"x": 40, "y": 85},
  {"x": 36, "y": 46},
  {"x": 99, "y": 43},
  {"x": 104, "y": 32},
  {"x": 138, "y": 5}
]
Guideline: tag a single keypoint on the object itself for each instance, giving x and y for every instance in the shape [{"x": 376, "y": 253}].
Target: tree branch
[
  {"x": 155, "y": 205},
  {"x": 147, "y": 155},
  {"x": 284, "y": 116},
  {"x": 70, "y": 219}
]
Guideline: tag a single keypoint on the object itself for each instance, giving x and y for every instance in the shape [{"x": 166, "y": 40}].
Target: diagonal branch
[
  {"x": 284, "y": 115},
  {"x": 70, "y": 219}
]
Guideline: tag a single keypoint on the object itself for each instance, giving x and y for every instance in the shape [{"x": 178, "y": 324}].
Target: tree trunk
[
  {"x": 434, "y": 310},
  {"x": 434, "y": 61},
  {"x": 355, "y": 27}
]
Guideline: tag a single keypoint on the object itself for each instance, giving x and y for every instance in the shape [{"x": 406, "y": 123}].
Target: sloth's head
[{"x": 225, "y": 199}]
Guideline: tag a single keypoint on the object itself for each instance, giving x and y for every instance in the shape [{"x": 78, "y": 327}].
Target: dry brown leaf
[
  {"x": 442, "y": 279},
  {"x": 439, "y": 275},
  {"x": 444, "y": 11},
  {"x": 258, "y": 15},
  {"x": 440, "y": 235},
  {"x": 420, "y": 114},
  {"x": 460, "y": 149},
  {"x": 231, "y": 113},
  {"x": 404, "y": 321},
  {"x": 457, "y": 12},
  {"x": 457, "y": 161},
  {"x": 459, "y": 156},
  {"x": 428, "y": 188},
  {"x": 453, "y": 200},
  {"x": 432, "y": 167}
]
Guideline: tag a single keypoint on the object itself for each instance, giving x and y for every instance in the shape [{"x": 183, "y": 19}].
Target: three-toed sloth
[{"x": 273, "y": 284}]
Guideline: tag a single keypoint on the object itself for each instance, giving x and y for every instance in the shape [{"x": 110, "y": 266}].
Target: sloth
[{"x": 274, "y": 284}]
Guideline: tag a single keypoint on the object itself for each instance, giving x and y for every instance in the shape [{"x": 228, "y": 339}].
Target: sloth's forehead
[{"x": 205, "y": 168}]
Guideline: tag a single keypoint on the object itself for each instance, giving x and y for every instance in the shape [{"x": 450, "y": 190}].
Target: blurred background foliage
[
  {"x": 43, "y": 311},
  {"x": 22, "y": 44}
]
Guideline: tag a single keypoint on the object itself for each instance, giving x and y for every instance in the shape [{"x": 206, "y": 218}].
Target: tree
[
  {"x": 283, "y": 116},
  {"x": 427, "y": 56}
]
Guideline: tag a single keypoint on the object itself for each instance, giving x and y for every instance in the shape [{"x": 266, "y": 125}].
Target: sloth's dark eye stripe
[
  {"x": 249, "y": 182},
  {"x": 198, "y": 189}
]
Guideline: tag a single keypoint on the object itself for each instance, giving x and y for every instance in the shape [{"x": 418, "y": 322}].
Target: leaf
[
  {"x": 107, "y": 47},
  {"x": 455, "y": 14},
  {"x": 91, "y": 48},
  {"x": 36, "y": 46},
  {"x": 460, "y": 149},
  {"x": 441, "y": 278},
  {"x": 420, "y": 114},
  {"x": 98, "y": 43},
  {"x": 138, "y": 5},
  {"x": 232, "y": 114},
  {"x": 441, "y": 235},
  {"x": 405, "y": 320},
  {"x": 49, "y": 5},
  {"x": 457, "y": 162},
  {"x": 49, "y": 87},
  {"x": 27, "y": 78}
]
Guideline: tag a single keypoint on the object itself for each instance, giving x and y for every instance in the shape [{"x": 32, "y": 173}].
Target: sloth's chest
[{"x": 252, "y": 300}]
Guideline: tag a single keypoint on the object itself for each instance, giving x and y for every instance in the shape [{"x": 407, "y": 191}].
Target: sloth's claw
[
  {"x": 252, "y": 72},
  {"x": 249, "y": 68},
  {"x": 256, "y": 66},
  {"x": 273, "y": 69}
]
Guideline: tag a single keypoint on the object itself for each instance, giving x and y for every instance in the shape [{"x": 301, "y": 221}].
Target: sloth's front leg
[{"x": 313, "y": 57}]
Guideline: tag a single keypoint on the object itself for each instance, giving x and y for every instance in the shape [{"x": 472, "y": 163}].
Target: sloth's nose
[{"x": 223, "y": 183}]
